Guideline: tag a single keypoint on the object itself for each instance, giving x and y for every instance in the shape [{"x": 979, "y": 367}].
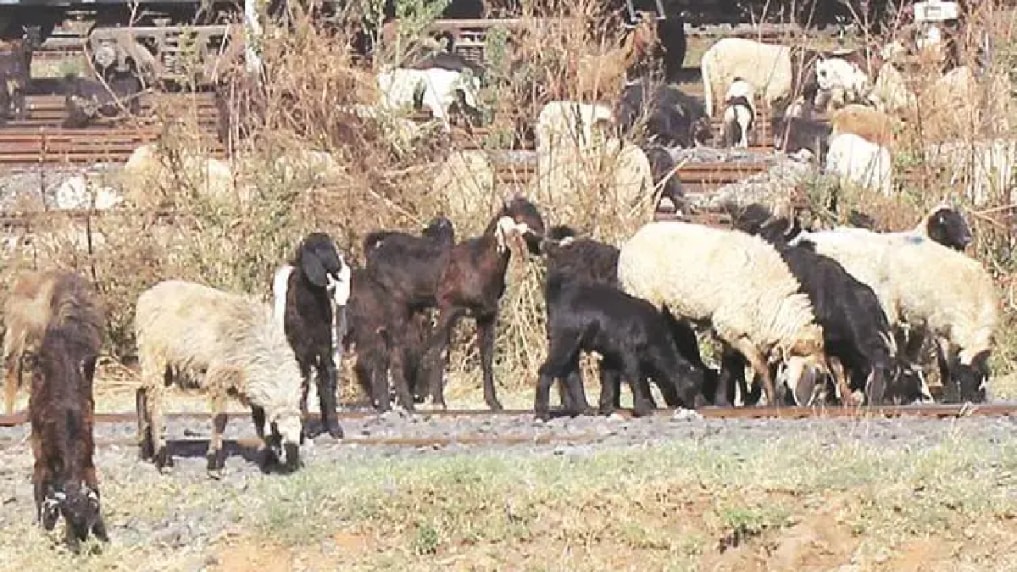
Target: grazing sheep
[
  {"x": 799, "y": 135},
  {"x": 303, "y": 303},
  {"x": 857, "y": 161},
  {"x": 472, "y": 282},
  {"x": 590, "y": 261},
  {"x": 866, "y": 122},
  {"x": 221, "y": 344},
  {"x": 777, "y": 71},
  {"x": 86, "y": 99},
  {"x": 440, "y": 87},
  {"x": 856, "y": 332},
  {"x": 672, "y": 117},
  {"x": 629, "y": 333},
  {"x": 27, "y": 310},
  {"x": 761, "y": 314},
  {"x": 61, "y": 411},
  {"x": 930, "y": 287}
]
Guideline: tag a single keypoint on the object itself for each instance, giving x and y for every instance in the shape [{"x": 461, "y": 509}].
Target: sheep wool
[
  {"x": 218, "y": 341},
  {"x": 767, "y": 67},
  {"x": 746, "y": 290}
]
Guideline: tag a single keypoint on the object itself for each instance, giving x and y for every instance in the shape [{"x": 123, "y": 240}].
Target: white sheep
[
  {"x": 767, "y": 67},
  {"x": 570, "y": 122},
  {"x": 858, "y": 161},
  {"x": 736, "y": 282},
  {"x": 398, "y": 87},
  {"x": 867, "y": 122},
  {"x": 925, "y": 286},
  {"x": 221, "y": 344}
]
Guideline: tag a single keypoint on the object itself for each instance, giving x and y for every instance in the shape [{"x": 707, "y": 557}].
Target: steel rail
[{"x": 710, "y": 412}]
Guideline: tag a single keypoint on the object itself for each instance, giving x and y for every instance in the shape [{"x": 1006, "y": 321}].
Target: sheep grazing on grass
[
  {"x": 857, "y": 161},
  {"x": 631, "y": 336},
  {"x": 305, "y": 290},
  {"x": 472, "y": 282},
  {"x": 219, "y": 343},
  {"x": 87, "y": 99},
  {"x": 61, "y": 410},
  {"x": 377, "y": 327},
  {"x": 934, "y": 289},
  {"x": 856, "y": 332},
  {"x": 27, "y": 310},
  {"x": 760, "y": 313},
  {"x": 590, "y": 261}
]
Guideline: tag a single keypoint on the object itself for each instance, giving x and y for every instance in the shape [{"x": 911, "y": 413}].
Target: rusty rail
[{"x": 710, "y": 412}]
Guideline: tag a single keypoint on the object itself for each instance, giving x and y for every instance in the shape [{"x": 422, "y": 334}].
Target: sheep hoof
[{"x": 335, "y": 431}]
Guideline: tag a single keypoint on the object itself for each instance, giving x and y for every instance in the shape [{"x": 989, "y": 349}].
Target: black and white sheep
[
  {"x": 221, "y": 344},
  {"x": 310, "y": 293},
  {"x": 739, "y": 114},
  {"x": 736, "y": 283},
  {"x": 931, "y": 288},
  {"x": 629, "y": 333}
]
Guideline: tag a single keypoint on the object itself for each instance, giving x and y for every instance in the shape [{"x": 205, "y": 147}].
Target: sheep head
[
  {"x": 969, "y": 376},
  {"x": 946, "y": 225},
  {"x": 527, "y": 221},
  {"x": 287, "y": 433},
  {"x": 78, "y": 504}
]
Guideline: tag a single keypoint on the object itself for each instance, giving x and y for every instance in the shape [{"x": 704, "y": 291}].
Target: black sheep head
[
  {"x": 78, "y": 504},
  {"x": 527, "y": 220},
  {"x": 946, "y": 225},
  {"x": 967, "y": 381},
  {"x": 324, "y": 267}
]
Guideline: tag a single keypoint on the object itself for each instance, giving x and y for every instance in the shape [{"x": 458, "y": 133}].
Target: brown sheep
[
  {"x": 866, "y": 122},
  {"x": 26, "y": 312}
]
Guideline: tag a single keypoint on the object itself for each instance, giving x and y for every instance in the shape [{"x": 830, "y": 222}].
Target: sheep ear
[{"x": 313, "y": 268}]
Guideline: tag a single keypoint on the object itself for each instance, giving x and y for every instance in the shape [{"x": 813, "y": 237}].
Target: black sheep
[
  {"x": 673, "y": 118},
  {"x": 794, "y": 134},
  {"x": 630, "y": 334},
  {"x": 315, "y": 277}
]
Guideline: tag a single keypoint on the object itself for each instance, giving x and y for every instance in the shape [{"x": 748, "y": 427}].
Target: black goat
[
  {"x": 472, "y": 282},
  {"x": 673, "y": 118},
  {"x": 630, "y": 334},
  {"x": 376, "y": 327},
  {"x": 591, "y": 261},
  {"x": 856, "y": 332},
  {"x": 86, "y": 99},
  {"x": 304, "y": 291}
]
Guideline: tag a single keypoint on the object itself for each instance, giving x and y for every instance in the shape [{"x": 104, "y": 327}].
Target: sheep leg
[
  {"x": 305, "y": 387},
  {"x": 145, "y": 442},
  {"x": 562, "y": 362},
  {"x": 400, "y": 379},
  {"x": 327, "y": 380},
  {"x": 644, "y": 384},
  {"x": 437, "y": 343},
  {"x": 485, "y": 343},
  {"x": 258, "y": 417},
  {"x": 837, "y": 369},
  {"x": 99, "y": 527},
  {"x": 216, "y": 456},
  {"x": 610, "y": 389},
  {"x": 758, "y": 363},
  {"x": 732, "y": 374},
  {"x": 162, "y": 458},
  {"x": 642, "y": 402}
]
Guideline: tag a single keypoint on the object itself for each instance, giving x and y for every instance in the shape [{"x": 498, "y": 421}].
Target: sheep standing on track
[
  {"x": 629, "y": 333},
  {"x": 746, "y": 292},
  {"x": 739, "y": 113},
  {"x": 441, "y": 88},
  {"x": 857, "y": 161},
  {"x": 305, "y": 290},
  {"x": 775, "y": 70},
  {"x": 672, "y": 117},
  {"x": 930, "y": 287},
  {"x": 220, "y": 344},
  {"x": 61, "y": 411},
  {"x": 856, "y": 332},
  {"x": 472, "y": 282},
  {"x": 27, "y": 310},
  {"x": 387, "y": 339},
  {"x": 593, "y": 262}
]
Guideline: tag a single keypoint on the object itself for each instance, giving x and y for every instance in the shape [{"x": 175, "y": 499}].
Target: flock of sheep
[{"x": 836, "y": 315}]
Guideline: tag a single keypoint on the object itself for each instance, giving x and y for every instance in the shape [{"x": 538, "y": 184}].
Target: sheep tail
[{"x": 704, "y": 72}]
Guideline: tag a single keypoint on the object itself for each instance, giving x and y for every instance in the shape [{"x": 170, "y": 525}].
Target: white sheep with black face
[{"x": 220, "y": 344}]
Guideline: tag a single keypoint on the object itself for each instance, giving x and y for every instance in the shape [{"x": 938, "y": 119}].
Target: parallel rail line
[{"x": 709, "y": 412}]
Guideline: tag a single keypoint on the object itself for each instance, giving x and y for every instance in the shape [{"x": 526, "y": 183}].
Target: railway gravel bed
[{"x": 196, "y": 529}]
